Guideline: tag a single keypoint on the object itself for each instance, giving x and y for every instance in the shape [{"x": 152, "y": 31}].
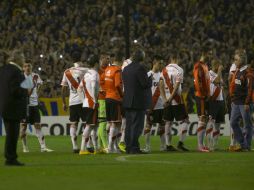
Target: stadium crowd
[{"x": 49, "y": 31}]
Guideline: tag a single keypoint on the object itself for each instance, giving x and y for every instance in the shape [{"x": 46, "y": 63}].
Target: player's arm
[
  {"x": 249, "y": 94},
  {"x": 119, "y": 83},
  {"x": 64, "y": 95},
  {"x": 162, "y": 91},
  {"x": 176, "y": 86},
  {"x": 80, "y": 90},
  {"x": 94, "y": 90},
  {"x": 217, "y": 80}
]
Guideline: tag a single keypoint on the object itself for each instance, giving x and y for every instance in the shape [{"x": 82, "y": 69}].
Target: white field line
[{"x": 143, "y": 161}]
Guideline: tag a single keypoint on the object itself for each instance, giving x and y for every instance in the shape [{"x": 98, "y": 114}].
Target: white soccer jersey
[
  {"x": 71, "y": 78},
  {"x": 213, "y": 86},
  {"x": 36, "y": 81},
  {"x": 90, "y": 79},
  {"x": 175, "y": 74},
  {"x": 155, "y": 89}
]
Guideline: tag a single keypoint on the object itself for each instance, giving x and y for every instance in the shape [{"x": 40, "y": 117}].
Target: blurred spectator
[{"x": 50, "y": 30}]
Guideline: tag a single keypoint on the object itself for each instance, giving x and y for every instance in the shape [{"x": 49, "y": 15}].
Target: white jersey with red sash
[
  {"x": 215, "y": 89},
  {"x": 157, "y": 102},
  {"x": 71, "y": 78},
  {"x": 36, "y": 81},
  {"x": 172, "y": 74},
  {"x": 90, "y": 97}
]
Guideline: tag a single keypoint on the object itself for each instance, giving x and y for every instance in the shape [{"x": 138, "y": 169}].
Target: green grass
[{"x": 66, "y": 171}]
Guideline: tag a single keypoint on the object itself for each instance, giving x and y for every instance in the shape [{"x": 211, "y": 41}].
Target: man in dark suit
[
  {"x": 135, "y": 100},
  {"x": 12, "y": 104}
]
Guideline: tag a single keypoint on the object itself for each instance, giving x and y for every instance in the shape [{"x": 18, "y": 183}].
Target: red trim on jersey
[
  {"x": 155, "y": 97},
  {"x": 216, "y": 93},
  {"x": 89, "y": 97},
  {"x": 176, "y": 97},
  {"x": 73, "y": 82}
]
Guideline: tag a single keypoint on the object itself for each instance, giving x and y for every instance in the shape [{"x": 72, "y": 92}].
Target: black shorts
[
  {"x": 76, "y": 112},
  {"x": 90, "y": 116},
  {"x": 113, "y": 110},
  {"x": 202, "y": 106},
  {"x": 177, "y": 112},
  {"x": 156, "y": 116},
  {"x": 33, "y": 115},
  {"x": 217, "y": 111}
]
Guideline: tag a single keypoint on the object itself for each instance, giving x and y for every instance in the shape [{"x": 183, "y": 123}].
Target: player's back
[
  {"x": 201, "y": 79},
  {"x": 72, "y": 77},
  {"x": 113, "y": 82}
]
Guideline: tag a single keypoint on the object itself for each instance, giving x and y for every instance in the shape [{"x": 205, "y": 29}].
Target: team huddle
[{"x": 96, "y": 92}]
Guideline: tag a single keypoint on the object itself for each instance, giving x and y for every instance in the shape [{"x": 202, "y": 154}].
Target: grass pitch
[{"x": 64, "y": 170}]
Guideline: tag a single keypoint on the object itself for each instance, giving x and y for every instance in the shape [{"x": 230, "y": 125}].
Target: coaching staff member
[
  {"x": 135, "y": 100},
  {"x": 12, "y": 104}
]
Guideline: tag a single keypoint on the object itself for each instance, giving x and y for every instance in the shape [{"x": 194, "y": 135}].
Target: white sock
[
  {"x": 23, "y": 137},
  {"x": 183, "y": 131},
  {"x": 216, "y": 134},
  {"x": 117, "y": 135},
  {"x": 201, "y": 133},
  {"x": 85, "y": 138},
  {"x": 94, "y": 138},
  {"x": 40, "y": 137},
  {"x": 147, "y": 134},
  {"x": 123, "y": 129},
  {"x": 232, "y": 138},
  {"x": 162, "y": 137},
  {"x": 168, "y": 132},
  {"x": 73, "y": 131},
  {"x": 209, "y": 133},
  {"x": 112, "y": 136}
]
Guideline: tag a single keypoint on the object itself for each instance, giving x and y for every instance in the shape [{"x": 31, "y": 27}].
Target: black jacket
[
  {"x": 137, "y": 87},
  {"x": 12, "y": 96}
]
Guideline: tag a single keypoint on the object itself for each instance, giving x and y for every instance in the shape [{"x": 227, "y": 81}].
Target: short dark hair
[
  {"x": 76, "y": 56},
  {"x": 92, "y": 60},
  {"x": 139, "y": 55},
  {"x": 157, "y": 57}
]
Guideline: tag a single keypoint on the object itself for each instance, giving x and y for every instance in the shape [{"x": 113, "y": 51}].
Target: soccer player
[
  {"x": 102, "y": 130},
  {"x": 241, "y": 99},
  {"x": 72, "y": 78},
  {"x": 90, "y": 87},
  {"x": 114, "y": 94},
  {"x": 155, "y": 115},
  {"x": 216, "y": 105},
  {"x": 174, "y": 108},
  {"x": 202, "y": 93},
  {"x": 33, "y": 114}
]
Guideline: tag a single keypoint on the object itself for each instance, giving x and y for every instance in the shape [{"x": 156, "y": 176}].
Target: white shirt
[
  {"x": 126, "y": 63},
  {"x": 175, "y": 73},
  {"x": 91, "y": 80},
  {"x": 155, "y": 85},
  {"x": 213, "y": 76},
  {"x": 77, "y": 74},
  {"x": 36, "y": 81},
  {"x": 232, "y": 68}
]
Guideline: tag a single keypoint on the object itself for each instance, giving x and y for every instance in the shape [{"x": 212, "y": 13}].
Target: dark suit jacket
[
  {"x": 137, "y": 87},
  {"x": 12, "y": 96}
]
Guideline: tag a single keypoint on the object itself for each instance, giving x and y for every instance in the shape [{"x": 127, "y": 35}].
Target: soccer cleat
[
  {"x": 181, "y": 147},
  {"x": 122, "y": 146},
  {"x": 46, "y": 150},
  {"x": 90, "y": 149},
  {"x": 75, "y": 151},
  {"x": 25, "y": 149},
  {"x": 203, "y": 149},
  {"x": 147, "y": 150},
  {"x": 170, "y": 148},
  {"x": 85, "y": 152}
]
